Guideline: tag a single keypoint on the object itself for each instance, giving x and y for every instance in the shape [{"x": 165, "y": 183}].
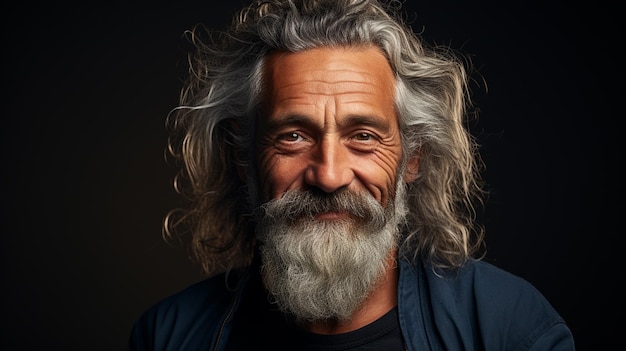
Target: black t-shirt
[{"x": 382, "y": 334}]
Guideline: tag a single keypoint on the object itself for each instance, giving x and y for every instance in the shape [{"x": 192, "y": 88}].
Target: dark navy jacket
[{"x": 480, "y": 307}]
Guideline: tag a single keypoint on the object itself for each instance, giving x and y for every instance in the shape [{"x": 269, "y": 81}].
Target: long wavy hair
[{"x": 212, "y": 130}]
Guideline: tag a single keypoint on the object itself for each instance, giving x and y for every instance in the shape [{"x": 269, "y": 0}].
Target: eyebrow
[
  {"x": 278, "y": 121},
  {"x": 375, "y": 121}
]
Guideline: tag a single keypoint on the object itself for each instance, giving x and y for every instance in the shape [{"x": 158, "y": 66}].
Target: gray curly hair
[{"x": 212, "y": 130}]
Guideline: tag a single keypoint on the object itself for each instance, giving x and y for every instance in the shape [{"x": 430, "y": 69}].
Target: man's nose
[{"x": 330, "y": 168}]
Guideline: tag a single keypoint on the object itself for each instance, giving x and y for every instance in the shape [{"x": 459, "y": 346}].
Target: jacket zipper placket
[{"x": 226, "y": 320}]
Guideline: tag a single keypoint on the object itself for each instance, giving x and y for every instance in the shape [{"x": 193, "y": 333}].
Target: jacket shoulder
[
  {"x": 188, "y": 319},
  {"x": 481, "y": 306},
  {"x": 510, "y": 304}
]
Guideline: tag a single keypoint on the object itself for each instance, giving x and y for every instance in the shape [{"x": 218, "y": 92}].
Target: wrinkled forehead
[{"x": 337, "y": 67}]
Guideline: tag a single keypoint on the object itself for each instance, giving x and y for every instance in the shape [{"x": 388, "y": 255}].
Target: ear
[{"x": 412, "y": 167}]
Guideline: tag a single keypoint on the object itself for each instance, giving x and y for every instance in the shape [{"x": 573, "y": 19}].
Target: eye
[
  {"x": 364, "y": 141},
  {"x": 363, "y": 136},
  {"x": 292, "y": 142},
  {"x": 290, "y": 137}
]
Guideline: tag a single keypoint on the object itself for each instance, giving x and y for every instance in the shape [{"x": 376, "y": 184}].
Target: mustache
[{"x": 306, "y": 204}]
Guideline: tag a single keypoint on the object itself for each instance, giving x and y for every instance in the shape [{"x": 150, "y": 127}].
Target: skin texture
[{"x": 329, "y": 122}]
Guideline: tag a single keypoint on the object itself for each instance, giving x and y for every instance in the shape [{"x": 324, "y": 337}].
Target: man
[{"x": 332, "y": 186}]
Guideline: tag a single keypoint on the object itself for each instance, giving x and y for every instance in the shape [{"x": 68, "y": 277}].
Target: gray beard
[{"x": 320, "y": 270}]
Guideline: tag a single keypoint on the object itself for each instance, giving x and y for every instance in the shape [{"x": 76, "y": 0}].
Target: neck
[{"x": 381, "y": 300}]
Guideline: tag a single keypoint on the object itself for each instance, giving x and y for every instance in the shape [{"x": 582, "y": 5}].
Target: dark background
[{"x": 86, "y": 90}]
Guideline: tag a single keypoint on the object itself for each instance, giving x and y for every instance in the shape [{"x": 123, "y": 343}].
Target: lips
[{"x": 333, "y": 215}]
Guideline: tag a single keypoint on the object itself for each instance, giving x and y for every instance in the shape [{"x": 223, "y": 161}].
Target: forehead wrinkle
[
  {"x": 328, "y": 89},
  {"x": 352, "y": 71}
]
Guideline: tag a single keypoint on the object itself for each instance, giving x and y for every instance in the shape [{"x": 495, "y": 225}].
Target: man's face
[
  {"x": 329, "y": 156},
  {"x": 329, "y": 122}
]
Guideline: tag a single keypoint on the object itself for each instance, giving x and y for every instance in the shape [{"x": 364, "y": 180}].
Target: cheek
[
  {"x": 277, "y": 174},
  {"x": 380, "y": 173}
]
